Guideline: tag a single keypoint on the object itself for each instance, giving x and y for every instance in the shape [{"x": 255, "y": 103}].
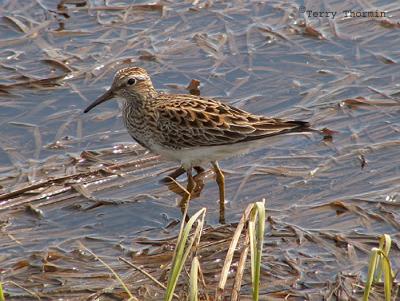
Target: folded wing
[{"x": 191, "y": 122}]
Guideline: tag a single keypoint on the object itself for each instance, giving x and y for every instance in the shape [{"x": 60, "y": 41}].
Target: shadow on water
[{"x": 66, "y": 177}]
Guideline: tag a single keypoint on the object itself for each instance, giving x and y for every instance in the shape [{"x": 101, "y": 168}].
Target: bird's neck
[
  {"x": 136, "y": 113},
  {"x": 139, "y": 101}
]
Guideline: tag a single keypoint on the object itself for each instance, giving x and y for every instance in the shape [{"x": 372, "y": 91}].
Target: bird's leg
[
  {"x": 189, "y": 189},
  {"x": 221, "y": 185},
  {"x": 199, "y": 170},
  {"x": 199, "y": 180},
  {"x": 191, "y": 183},
  {"x": 179, "y": 171},
  {"x": 176, "y": 173},
  {"x": 200, "y": 174}
]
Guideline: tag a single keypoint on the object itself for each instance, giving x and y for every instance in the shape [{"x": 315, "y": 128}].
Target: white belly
[{"x": 199, "y": 156}]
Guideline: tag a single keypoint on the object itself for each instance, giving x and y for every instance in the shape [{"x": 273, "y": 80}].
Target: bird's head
[{"x": 130, "y": 84}]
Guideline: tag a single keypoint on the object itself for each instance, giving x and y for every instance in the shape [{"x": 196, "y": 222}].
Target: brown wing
[{"x": 188, "y": 121}]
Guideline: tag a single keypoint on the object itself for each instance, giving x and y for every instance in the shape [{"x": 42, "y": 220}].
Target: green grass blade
[
  {"x": 252, "y": 237},
  {"x": 1, "y": 293},
  {"x": 385, "y": 243},
  {"x": 256, "y": 244},
  {"x": 388, "y": 279},
  {"x": 182, "y": 253},
  {"x": 386, "y": 248},
  {"x": 371, "y": 271},
  {"x": 194, "y": 275}
]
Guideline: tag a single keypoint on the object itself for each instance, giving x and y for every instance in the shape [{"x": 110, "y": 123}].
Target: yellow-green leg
[
  {"x": 221, "y": 185},
  {"x": 189, "y": 189}
]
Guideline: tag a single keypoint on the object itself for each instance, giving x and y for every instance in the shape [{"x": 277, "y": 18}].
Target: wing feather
[{"x": 188, "y": 121}]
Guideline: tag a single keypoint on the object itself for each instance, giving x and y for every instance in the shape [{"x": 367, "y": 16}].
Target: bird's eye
[{"x": 131, "y": 81}]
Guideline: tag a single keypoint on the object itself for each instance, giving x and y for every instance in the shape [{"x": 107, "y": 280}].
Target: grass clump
[
  {"x": 183, "y": 248},
  {"x": 253, "y": 219},
  {"x": 379, "y": 264}
]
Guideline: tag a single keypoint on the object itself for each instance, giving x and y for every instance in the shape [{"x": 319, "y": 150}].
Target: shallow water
[{"x": 263, "y": 57}]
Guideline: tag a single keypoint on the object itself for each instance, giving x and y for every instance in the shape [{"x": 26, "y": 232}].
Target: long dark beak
[{"x": 106, "y": 96}]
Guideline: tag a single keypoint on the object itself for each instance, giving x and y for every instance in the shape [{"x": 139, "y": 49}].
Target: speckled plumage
[
  {"x": 167, "y": 123},
  {"x": 187, "y": 128}
]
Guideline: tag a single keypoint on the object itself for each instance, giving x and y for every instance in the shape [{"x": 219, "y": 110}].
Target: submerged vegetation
[{"x": 249, "y": 234}]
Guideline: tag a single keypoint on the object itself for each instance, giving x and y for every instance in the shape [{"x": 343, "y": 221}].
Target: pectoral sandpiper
[{"x": 190, "y": 129}]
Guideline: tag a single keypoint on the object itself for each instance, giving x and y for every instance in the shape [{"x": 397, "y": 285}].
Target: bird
[{"x": 190, "y": 129}]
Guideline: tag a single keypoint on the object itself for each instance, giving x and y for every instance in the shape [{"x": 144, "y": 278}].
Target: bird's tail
[{"x": 304, "y": 126}]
